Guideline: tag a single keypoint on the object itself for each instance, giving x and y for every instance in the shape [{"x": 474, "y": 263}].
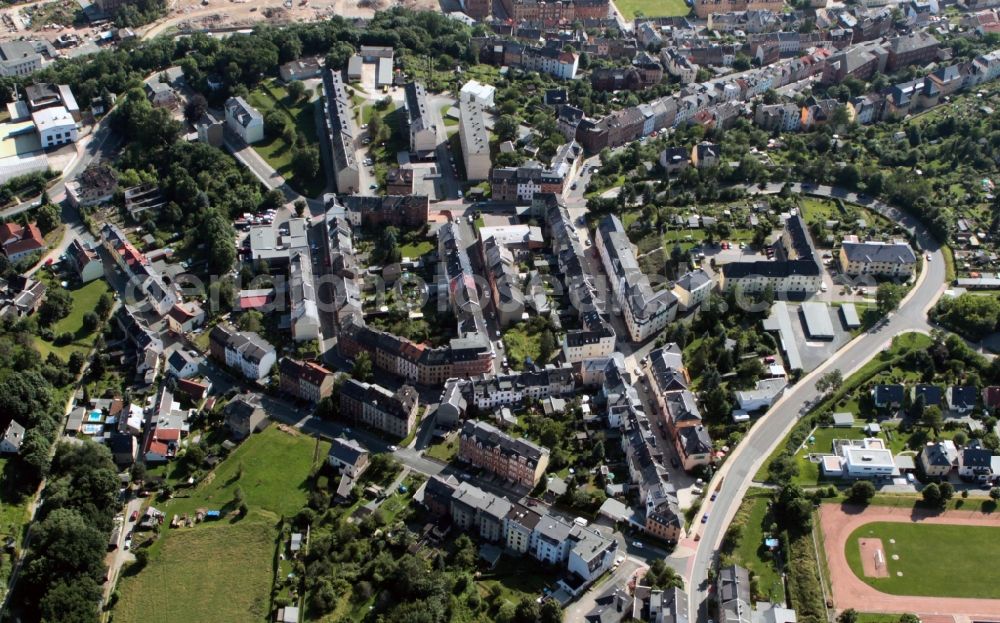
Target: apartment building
[
  {"x": 145, "y": 284},
  {"x": 582, "y": 551},
  {"x": 645, "y": 310},
  {"x": 704, "y": 8},
  {"x": 244, "y": 120},
  {"x": 501, "y": 390},
  {"x": 474, "y": 140},
  {"x": 521, "y": 184},
  {"x": 338, "y": 116},
  {"x": 244, "y": 351},
  {"x": 693, "y": 289},
  {"x": 304, "y": 380},
  {"x": 517, "y": 460},
  {"x": 504, "y": 280},
  {"x": 22, "y": 58},
  {"x": 555, "y": 13},
  {"x": 794, "y": 268},
  {"x": 420, "y": 120},
  {"x": 375, "y": 407},
  {"x": 409, "y": 211},
  {"x": 880, "y": 259}
]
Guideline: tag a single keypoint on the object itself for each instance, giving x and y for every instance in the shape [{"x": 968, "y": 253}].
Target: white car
[
  {"x": 928, "y": 256},
  {"x": 393, "y": 448},
  {"x": 636, "y": 544}
]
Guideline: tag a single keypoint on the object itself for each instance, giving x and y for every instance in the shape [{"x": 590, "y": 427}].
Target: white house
[
  {"x": 245, "y": 120},
  {"x": 348, "y": 457},
  {"x": 693, "y": 288},
  {"x": 55, "y": 125},
  {"x": 181, "y": 364},
  {"x": 12, "y": 438},
  {"x": 482, "y": 94}
]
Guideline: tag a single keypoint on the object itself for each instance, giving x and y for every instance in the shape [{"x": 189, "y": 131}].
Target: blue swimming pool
[{"x": 95, "y": 416}]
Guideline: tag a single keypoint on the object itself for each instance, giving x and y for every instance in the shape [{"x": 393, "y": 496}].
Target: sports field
[{"x": 933, "y": 560}]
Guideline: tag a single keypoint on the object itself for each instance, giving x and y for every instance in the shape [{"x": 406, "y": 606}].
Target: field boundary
[{"x": 839, "y": 522}]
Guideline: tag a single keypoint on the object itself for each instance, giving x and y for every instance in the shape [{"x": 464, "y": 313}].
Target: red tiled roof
[
  {"x": 167, "y": 434},
  {"x": 253, "y": 302},
  {"x": 10, "y": 232}
]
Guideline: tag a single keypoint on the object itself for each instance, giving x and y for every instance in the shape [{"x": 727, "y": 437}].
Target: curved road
[{"x": 738, "y": 471}]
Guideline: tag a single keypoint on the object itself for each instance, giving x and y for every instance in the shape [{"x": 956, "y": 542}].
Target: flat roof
[
  {"x": 817, "y": 317},
  {"x": 850, "y": 315},
  {"x": 870, "y": 457},
  {"x": 779, "y": 321}
]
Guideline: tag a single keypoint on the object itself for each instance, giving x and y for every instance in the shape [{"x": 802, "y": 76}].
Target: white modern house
[
  {"x": 478, "y": 92},
  {"x": 244, "y": 120}
]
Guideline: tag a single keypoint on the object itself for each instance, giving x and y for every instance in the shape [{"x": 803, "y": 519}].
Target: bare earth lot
[{"x": 839, "y": 524}]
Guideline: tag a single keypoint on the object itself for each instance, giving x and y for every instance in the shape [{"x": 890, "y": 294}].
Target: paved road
[{"x": 738, "y": 471}]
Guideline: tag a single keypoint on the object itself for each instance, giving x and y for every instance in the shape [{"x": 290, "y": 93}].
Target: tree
[
  {"x": 56, "y": 306},
  {"x": 931, "y": 494},
  {"x": 464, "y": 556},
  {"x": 551, "y": 612},
  {"x": 947, "y": 491},
  {"x": 546, "y": 344},
  {"x": 104, "y": 305},
  {"x": 275, "y": 124},
  {"x": 305, "y": 161},
  {"x": 300, "y": 207},
  {"x": 830, "y": 381},
  {"x": 506, "y": 127},
  {"x": 362, "y": 370},
  {"x": 527, "y": 611},
  {"x": 792, "y": 510},
  {"x": 75, "y": 362},
  {"x": 196, "y": 107},
  {"x": 47, "y": 217},
  {"x": 932, "y": 418},
  {"x": 90, "y": 322},
  {"x": 848, "y": 616},
  {"x": 296, "y": 90},
  {"x": 909, "y": 618},
  {"x": 251, "y": 320},
  {"x": 861, "y": 492},
  {"x": 888, "y": 297}
]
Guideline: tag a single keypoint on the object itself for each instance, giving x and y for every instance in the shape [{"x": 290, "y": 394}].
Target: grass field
[
  {"x": 224, "y": 569},
  {"x": 652, "y": 8},
  {"x": 444, "y": 451},
  {"x": 84, "y": 300},
  {"x": 276, "y": 467},
  {"x": 269, "y": 97},
  {"x": 218, "y": 572},
  {"x": 822, "y": 443},
  {"x": 754, "y": 521},
  {"x": 936, "y": 560}
]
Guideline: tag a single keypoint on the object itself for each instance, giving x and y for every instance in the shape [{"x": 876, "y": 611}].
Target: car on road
[
  {"x": 134, "y": 516},
  {"x": 675, "y": 462},
  {"x": 573, "y": 187},
  {"x": 636, "y": 544},
  {"x": 460, "y": 195},
  {"x": 704, "y": 518},
  {"x": 928, "y": 256},
  {"x": 372, "y": 186},
  {"x": 393, "y": 448},
  {"x": 715, "y": 494}
]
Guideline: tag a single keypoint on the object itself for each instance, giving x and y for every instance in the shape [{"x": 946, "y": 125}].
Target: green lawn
[
  {"x": 218, "y": 572},
  {"x": 13, "y": 506},
  {"x": 224, "y": 568},
  {"x": 415, "y": 250},
  {"x": 754, "y": 521},
  {"x": 515, "y": 580},
  {"x": 444, "y": 451},
  {"x": 822, "y": 443},
  {"x": 270, "y": 96},
  {"x": 935, "y": 560},
  {"x": 520, "y": 344},
  {"x": 84, "y": 300},
  {"x": 276, "y": 467},
  {"x": 652, "y": 8}
]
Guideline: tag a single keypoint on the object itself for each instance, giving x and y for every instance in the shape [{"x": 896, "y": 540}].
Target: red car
[
  {"x": 135, "y": 515},
  {"x": 50, "y": 261}
]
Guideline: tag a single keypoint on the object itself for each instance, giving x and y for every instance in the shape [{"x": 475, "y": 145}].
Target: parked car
[
  {"x": 704, "y": 518},
  {"x": 134, "y": 517}
]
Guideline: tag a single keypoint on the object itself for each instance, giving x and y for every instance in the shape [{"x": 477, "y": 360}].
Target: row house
[
  {"x": 145, "y": 284},
  {"x": 646, "y": 311},
  {"x": 913, "y": 96},
  {"x": 490, "y": 392},
  {"x": 505, "y": 287},
  {"x": 794, "y": 268},
  {"x": 341, "y": 131},
  {"x": 244, "y": 351},
  {"x": 305, "y": 380},
  {"x": 410, "y": 211},
  {"x": 378, "y": 408},
  {"x": 704, "y": 8},
  {"x": 583, "y": 552},
  {"x": 780, "y": 117},
  {"x": 613, "y": 49},
  {"x": 883, "y": 259},
  {"x": 521, "y": 184},
  {"x": 679, "y": 66},
  {"x": 551, "y": 60},
  {"x": 514, "y": 459}
]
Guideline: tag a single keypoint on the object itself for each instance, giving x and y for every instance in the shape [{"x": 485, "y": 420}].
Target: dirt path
[{"x": 849, "y": 591}]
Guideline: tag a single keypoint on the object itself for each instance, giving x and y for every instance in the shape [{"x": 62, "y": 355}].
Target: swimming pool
[
  {"x": 92, "y": 429},
  {"x": 95, "y": 416}
]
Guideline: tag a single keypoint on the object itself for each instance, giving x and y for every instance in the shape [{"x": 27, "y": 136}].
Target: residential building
[
  {"x": 244, "y": 351},
  {"x": 733, "y": 595},
  {"x": 704, "y": 8},
  {"x": 961, "y": 399},
  {"x": 338, "y": 115},
  {"x": 646, "y": 311},
  {"x": 501, "y": 390},
  {"x": 22, "y": 58},
  {"x": 975, "y": 463},
  {"x": 244, "y": 120},
  {"x": 245, "y": 416},
  {"x": 96, "y": 185},
  {"x": 551, "y": 60},
  {"x": 85, "y": 261},
  {"x": 502, "y": 274},
  {"x": 675, "y": 159},
  {"x": 479, "y": 93},
  {"x": 305, "y": 380},
  {"x": 161, "y": 95},
  {"x": 420, "y": 120},
  {"x": 693, "y": 289},
  {"x": 762, "y": 396},
  {"x": 13, "y": 437},
  {"x": 19, "y": 241},
  {"x": 301, "y": 69},
  {"x": 378, "y": 408},
  {"x": 145, "y": 284},
  {"x": 521, "y": 184},
  {"x": 409, "y": 211},
  {"x": 880, "y": 259},
  {"x": 181, "y": 364},
  {"x": 794, "y": 268},
  {"x": 916, "y": 48},
  {"x": 474, "y": 140},
  {"x": 348, "y": 457},
  {"x": 302, "y": 296},
  {"x": 517, "y": 460},
  {"x": 705, "y": 155},
  {"x": 56, "y": 126},
  {"x": 937, "y": 459}
]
